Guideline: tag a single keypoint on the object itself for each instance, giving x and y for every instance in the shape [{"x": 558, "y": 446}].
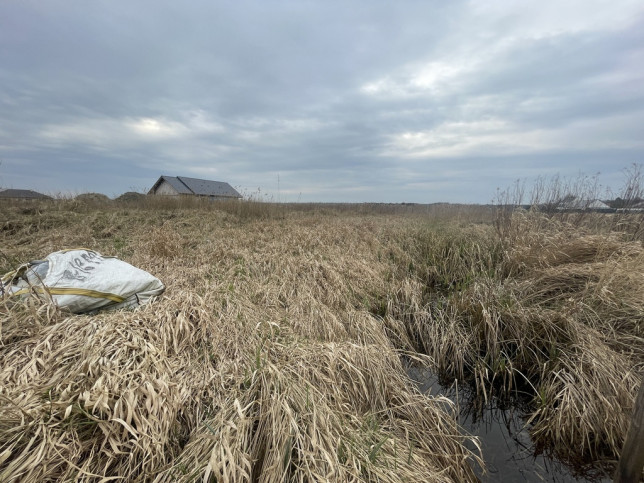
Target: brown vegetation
[
  {"x": 261, "y": 360},
  {"x": 275, "y": 353}
]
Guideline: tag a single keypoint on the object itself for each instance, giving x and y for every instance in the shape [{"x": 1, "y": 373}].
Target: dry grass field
[{"x": 276, "y": 352}]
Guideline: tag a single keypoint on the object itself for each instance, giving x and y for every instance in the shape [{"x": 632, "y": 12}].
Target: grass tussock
[
  {"x": 553, "y": 311},
  {"x": 265, "y": 359}
]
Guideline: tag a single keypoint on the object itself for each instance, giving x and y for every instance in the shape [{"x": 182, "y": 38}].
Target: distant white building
[
  {"x": 572, "y": 203},
  {"x": 184, "y": 186},
  {"x": 636, "y": 208}
]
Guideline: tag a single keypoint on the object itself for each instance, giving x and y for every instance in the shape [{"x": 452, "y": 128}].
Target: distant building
[
  {"x": 638, "y": 206},
  {"x": 572, "y": 203},
  {"x": 633, "y": 208},
  {"x": 183, "y": 186},
  {"x": 23, "y": 195}
]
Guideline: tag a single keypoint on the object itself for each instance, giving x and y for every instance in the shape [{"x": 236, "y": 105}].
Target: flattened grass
[{"x": 262, "y": 360}]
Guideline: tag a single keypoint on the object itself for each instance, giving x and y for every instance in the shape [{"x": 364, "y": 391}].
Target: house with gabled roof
[
  {"x": 184, "y": 186},
  {"x": 573, "y": 203}
]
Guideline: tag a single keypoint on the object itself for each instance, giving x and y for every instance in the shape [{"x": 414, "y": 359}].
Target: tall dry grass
[
  {"x": 275, "y": 352},
  {"x": 548, "y": 309},
  {"x": 264, "y": 359}
]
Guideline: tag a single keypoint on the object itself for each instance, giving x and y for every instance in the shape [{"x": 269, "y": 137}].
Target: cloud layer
[{"x": 323, "y": 101}]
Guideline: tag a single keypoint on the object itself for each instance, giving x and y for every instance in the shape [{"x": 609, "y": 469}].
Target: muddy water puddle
[{"x": 508, "y": 450}]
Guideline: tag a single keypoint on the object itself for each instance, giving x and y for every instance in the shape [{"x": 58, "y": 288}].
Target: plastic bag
[{"x": 83, "y": 280}]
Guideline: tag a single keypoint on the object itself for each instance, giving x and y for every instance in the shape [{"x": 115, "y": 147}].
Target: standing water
[{"x": 508, "y": 451}]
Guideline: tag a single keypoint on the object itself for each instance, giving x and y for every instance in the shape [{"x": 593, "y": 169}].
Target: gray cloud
[{"x": 426, "y": 101}]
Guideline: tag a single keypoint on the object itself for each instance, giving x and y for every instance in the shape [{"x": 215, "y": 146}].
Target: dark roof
[
  {"x": 24, "y": 194},
  {"x": 200, "y": 187},
  {"x": 209, "y": 188},
  {"x": 181, "y": 188}
]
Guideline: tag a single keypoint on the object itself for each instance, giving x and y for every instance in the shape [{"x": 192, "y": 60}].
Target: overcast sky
[{"x": 396, "y": 101}]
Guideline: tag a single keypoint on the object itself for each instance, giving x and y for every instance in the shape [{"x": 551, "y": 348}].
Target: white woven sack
[{"x": 83, "y": 280}]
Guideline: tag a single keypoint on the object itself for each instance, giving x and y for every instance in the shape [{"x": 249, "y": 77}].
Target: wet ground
[{"x": 508, "y": 451}]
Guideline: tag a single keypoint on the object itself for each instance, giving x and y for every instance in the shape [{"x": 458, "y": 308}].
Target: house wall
[{"x": 165, "y": 188}]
